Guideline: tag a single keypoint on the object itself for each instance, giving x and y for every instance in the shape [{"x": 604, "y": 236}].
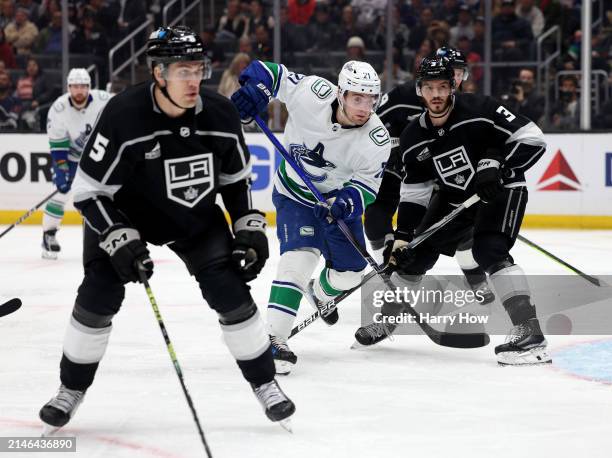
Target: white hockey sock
[
  {"x": 331, "y": 283},
  {"x": 54, "y": 212},
  {"x": 294, "y": 270},
  {"x": 246, "y": 340},
  {"x": 85, "y": 345}
]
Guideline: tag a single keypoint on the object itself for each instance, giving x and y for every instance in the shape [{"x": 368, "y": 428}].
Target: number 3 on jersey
[{"x": 98, "y": 148}]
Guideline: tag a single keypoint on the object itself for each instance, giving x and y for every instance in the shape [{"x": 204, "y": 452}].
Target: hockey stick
[
  {"x": 27, "y": 214},
  {"x": 439, "y": 337},
  {"x": 588, "y": 278},
  {"x": 10, "y": 306},
  {"x": 177, "y": 367}
]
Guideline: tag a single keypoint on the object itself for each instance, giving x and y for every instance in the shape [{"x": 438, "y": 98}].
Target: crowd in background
[{"x": 317, "y": 36}]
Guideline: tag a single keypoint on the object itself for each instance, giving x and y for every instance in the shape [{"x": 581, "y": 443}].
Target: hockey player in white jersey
[
  {"x": 335, "y": 136},
  {"x": 70, "y": 120}
]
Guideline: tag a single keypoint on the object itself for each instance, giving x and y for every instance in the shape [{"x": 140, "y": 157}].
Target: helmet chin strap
[{"x": 164, "y": 91}]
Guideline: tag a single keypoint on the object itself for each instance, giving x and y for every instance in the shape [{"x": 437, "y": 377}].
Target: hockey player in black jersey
[
  {"x": 400, "y": 106},
  {"x": 468, "y": 144},
  {"x": 158, "y": 156}
]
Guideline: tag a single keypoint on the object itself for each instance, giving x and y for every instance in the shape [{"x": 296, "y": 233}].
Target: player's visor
[
  {"x": 358, "y": 101},
  {"x": 186, "y": 72}
]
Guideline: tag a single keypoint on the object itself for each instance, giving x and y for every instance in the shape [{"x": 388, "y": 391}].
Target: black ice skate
[
  {"x": 284, "y": 358},
  {"x": 524, "y": 345},
  {"x": 60, "y": 409},
  {"x": 373, "y": 333},
  {"x": 277, "y": 405},
  {"x": 329, "y": 317},
  {"x": 50, "y": 245}
]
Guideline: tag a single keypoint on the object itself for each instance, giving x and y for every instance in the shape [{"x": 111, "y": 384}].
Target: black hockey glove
[
  {"x": 250, "y": 247},
  {"x": 488, "y": 180},
  {"x": 126, "y": 252}
]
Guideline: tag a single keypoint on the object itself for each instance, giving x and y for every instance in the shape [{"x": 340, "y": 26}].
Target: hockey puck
[
  {"x": 559, "y": 325},
  {"x": 10, "y": 306}
]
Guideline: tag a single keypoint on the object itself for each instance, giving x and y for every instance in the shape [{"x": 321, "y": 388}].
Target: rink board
[{"x": 570, "y": 186}]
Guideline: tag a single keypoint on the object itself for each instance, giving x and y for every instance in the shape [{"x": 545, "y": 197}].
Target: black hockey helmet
[
  {"x": 457, "y": 58},
  {"x": 177, "y": 44},
  {"x": 435, "y": 68}
]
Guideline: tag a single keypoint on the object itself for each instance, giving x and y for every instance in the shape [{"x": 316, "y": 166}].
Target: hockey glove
[
  {"x": 346, "y": 205},
  {"x": 127, "y": 252},
  {"x": 251, "y": 99},
  {"x": 250, "y": 246},
  {"x": 62, "y": 178},
  {"x": 488, "y": 180}
]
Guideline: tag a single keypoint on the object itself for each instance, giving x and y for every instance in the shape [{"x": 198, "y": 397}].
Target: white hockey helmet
[
  {"x": 79, "y": 76},
  {"x": 359, "y": 77}
]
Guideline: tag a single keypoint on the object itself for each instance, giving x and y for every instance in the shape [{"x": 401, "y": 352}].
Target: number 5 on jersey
[{"x": 98, "y": 148}]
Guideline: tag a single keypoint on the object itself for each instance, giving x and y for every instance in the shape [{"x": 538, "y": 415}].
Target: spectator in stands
[
  {"x": 401, "y": 33},
  {"x": 355, "y": 48},
  {"x": 426, "y": 48},
  {"x": 336, "y": 7},
  {"x": 105, "y": 14},
  {"x": 45, "y": 13},
  {"x": 229, "y": 80},
  {"x": 21, "y": 32},
  {"x": 213, "y": 50},
  {"x": 88, "y": 38},
  {"x": 232, "y": 25},
  {"x": 245, "y": 45},
  {"x": 132, "y": 14},
  {"x": 523, "y": 98},
  {"x": 293, "y": 37},
  {"x": 348, "y": 27},
  {"x": 300, "y": 11},
  {"x": 49, "y": 40},
  {"x": 321, "y": 31},
  {"x": 464, "y": 45},
  {"x": 511, "y": 34},
  {"x": 479, "y": 32},
  {"x": 31, "y": 86},
  {"x": 604, "y": 119},
  {"x": 527, "y": 10},
  {"x": 9, "y": 105},
  {"x": 7, "y": 56},
  {"x": 367, "y": 14},
  {"x": 263, "y": 47},
  {"x": 439, "y": 33},
  {"x": 32, "y": 7},
  {"x": 419, "y": 33},
  {"x": 566, "y": 112},
  {"x": 8, "y": 13},
  {"x": 464, "y": 27},
  {"x": 448, "y": 12},
  {"x": 259, "y": 16}
]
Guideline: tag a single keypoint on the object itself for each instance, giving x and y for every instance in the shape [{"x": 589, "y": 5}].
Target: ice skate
[
  {"x": 330, "y": 318},
  {"x": 524, "y": 345},
  {"x": 277, "y": 405},
  {"x": 284, "y": 358},
  {"x": 60, "y": 409},
  {"x": 50, "y": 246}
]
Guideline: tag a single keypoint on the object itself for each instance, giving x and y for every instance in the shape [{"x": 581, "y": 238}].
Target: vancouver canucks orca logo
[{"x": 314, "y": 157}]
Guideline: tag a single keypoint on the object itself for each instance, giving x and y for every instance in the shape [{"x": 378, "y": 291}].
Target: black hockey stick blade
[{"x": 10, "y": 306}]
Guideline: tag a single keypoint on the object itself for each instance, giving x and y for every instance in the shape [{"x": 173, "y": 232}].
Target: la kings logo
[
  {"x": 454, "y": 168},
  {"x": 189, "y": 179}
]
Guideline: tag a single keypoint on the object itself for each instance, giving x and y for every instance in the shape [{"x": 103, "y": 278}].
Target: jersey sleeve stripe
[{"x": 229, "y": 178}]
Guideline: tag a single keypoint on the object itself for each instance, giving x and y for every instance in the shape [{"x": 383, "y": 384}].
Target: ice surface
[{"x": 403, "y": 398}]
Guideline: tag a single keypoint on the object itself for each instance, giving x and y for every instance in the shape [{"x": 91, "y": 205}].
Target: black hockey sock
[
  {"x": 474, "y": 276},
  {"x": 259, "y": 370},
  {"x": 76, "y": 376},
  {"x": 519, "y": 309}
]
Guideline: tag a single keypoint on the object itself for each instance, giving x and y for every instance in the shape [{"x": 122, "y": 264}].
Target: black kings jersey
[
  {"x": 478, "y": 127},
  {"x": 159, "y": 174},
  {"x": 397, "y": 109}
]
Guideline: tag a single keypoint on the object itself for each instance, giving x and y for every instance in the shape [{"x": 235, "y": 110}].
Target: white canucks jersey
[
  {"x": 68, "y": 128},
  {"x": 331, "y": 155}
]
